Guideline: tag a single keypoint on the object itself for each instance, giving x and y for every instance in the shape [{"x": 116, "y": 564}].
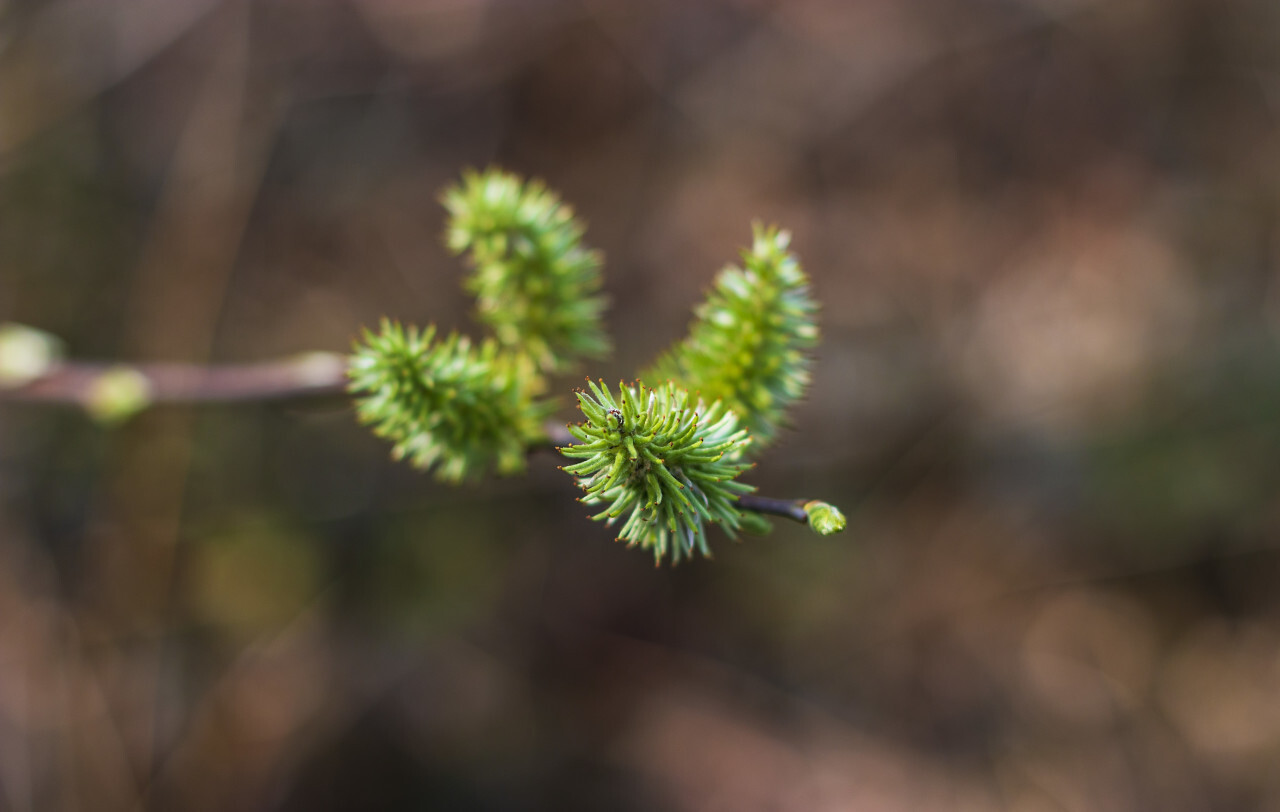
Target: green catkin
[
  {"x": 663, "y": 460},
  {"x": 535, "y": 284},
  {"x": 749, "y": 344},
  {"x": 446, "y": 405}
]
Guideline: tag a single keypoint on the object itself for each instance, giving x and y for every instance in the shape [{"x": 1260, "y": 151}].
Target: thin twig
[
  {"x": 304, "y": 375},
  {"x": 786, "y": 508}
]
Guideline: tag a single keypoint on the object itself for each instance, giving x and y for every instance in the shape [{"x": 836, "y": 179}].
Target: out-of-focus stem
[{"x": 316, "y": 373}]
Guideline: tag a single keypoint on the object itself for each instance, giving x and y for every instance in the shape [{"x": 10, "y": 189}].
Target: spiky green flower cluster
[
  {"x": 665, "y": 461},
  {"x": 536, "y": 286},
  {"x": 749, "y": 345},
  {"x": 658, "y": 459},
  {"x": 446, "y": 405}
]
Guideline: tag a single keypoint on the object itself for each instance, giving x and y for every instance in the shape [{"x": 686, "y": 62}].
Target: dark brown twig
[{"x": 786, "y": 508}]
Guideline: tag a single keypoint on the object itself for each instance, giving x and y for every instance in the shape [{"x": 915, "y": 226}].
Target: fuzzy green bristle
[
  {"x": 749, "y": 345},
  {"x": 535, "y": 284},
  {"x": 664, "y": 461},
  {"x": 446, "y": 405}
]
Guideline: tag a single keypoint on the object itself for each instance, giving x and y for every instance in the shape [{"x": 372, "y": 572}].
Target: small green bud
[
  {"x": 314, "y": 368},
  {"x": 825, "y": 519},
  {"x": 117, "y": 394},
  {"x": 26, "y": 354}
]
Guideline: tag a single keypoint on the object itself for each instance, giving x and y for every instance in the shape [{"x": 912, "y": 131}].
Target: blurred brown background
[{"x": 1044, "y": 233}]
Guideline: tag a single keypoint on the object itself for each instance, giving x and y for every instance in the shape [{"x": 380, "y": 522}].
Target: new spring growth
[
  {"x": 657, "y": 461},
  {"x": 662, "y": 460},
  {"x": 445, "y": 404},
  {"x": 536, "y": 286},
  {"x": 749, "y": 344},
  {"x": 825, "y": 519},
  {"x": 26, "y": 353}
]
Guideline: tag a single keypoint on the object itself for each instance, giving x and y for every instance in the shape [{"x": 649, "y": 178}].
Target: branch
[
  {"x": 113, "y": 391},
  {"x": 312, "y": 374},
  {"x": 792, "y": 509},
  {"x": 821, "y": 517}
]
